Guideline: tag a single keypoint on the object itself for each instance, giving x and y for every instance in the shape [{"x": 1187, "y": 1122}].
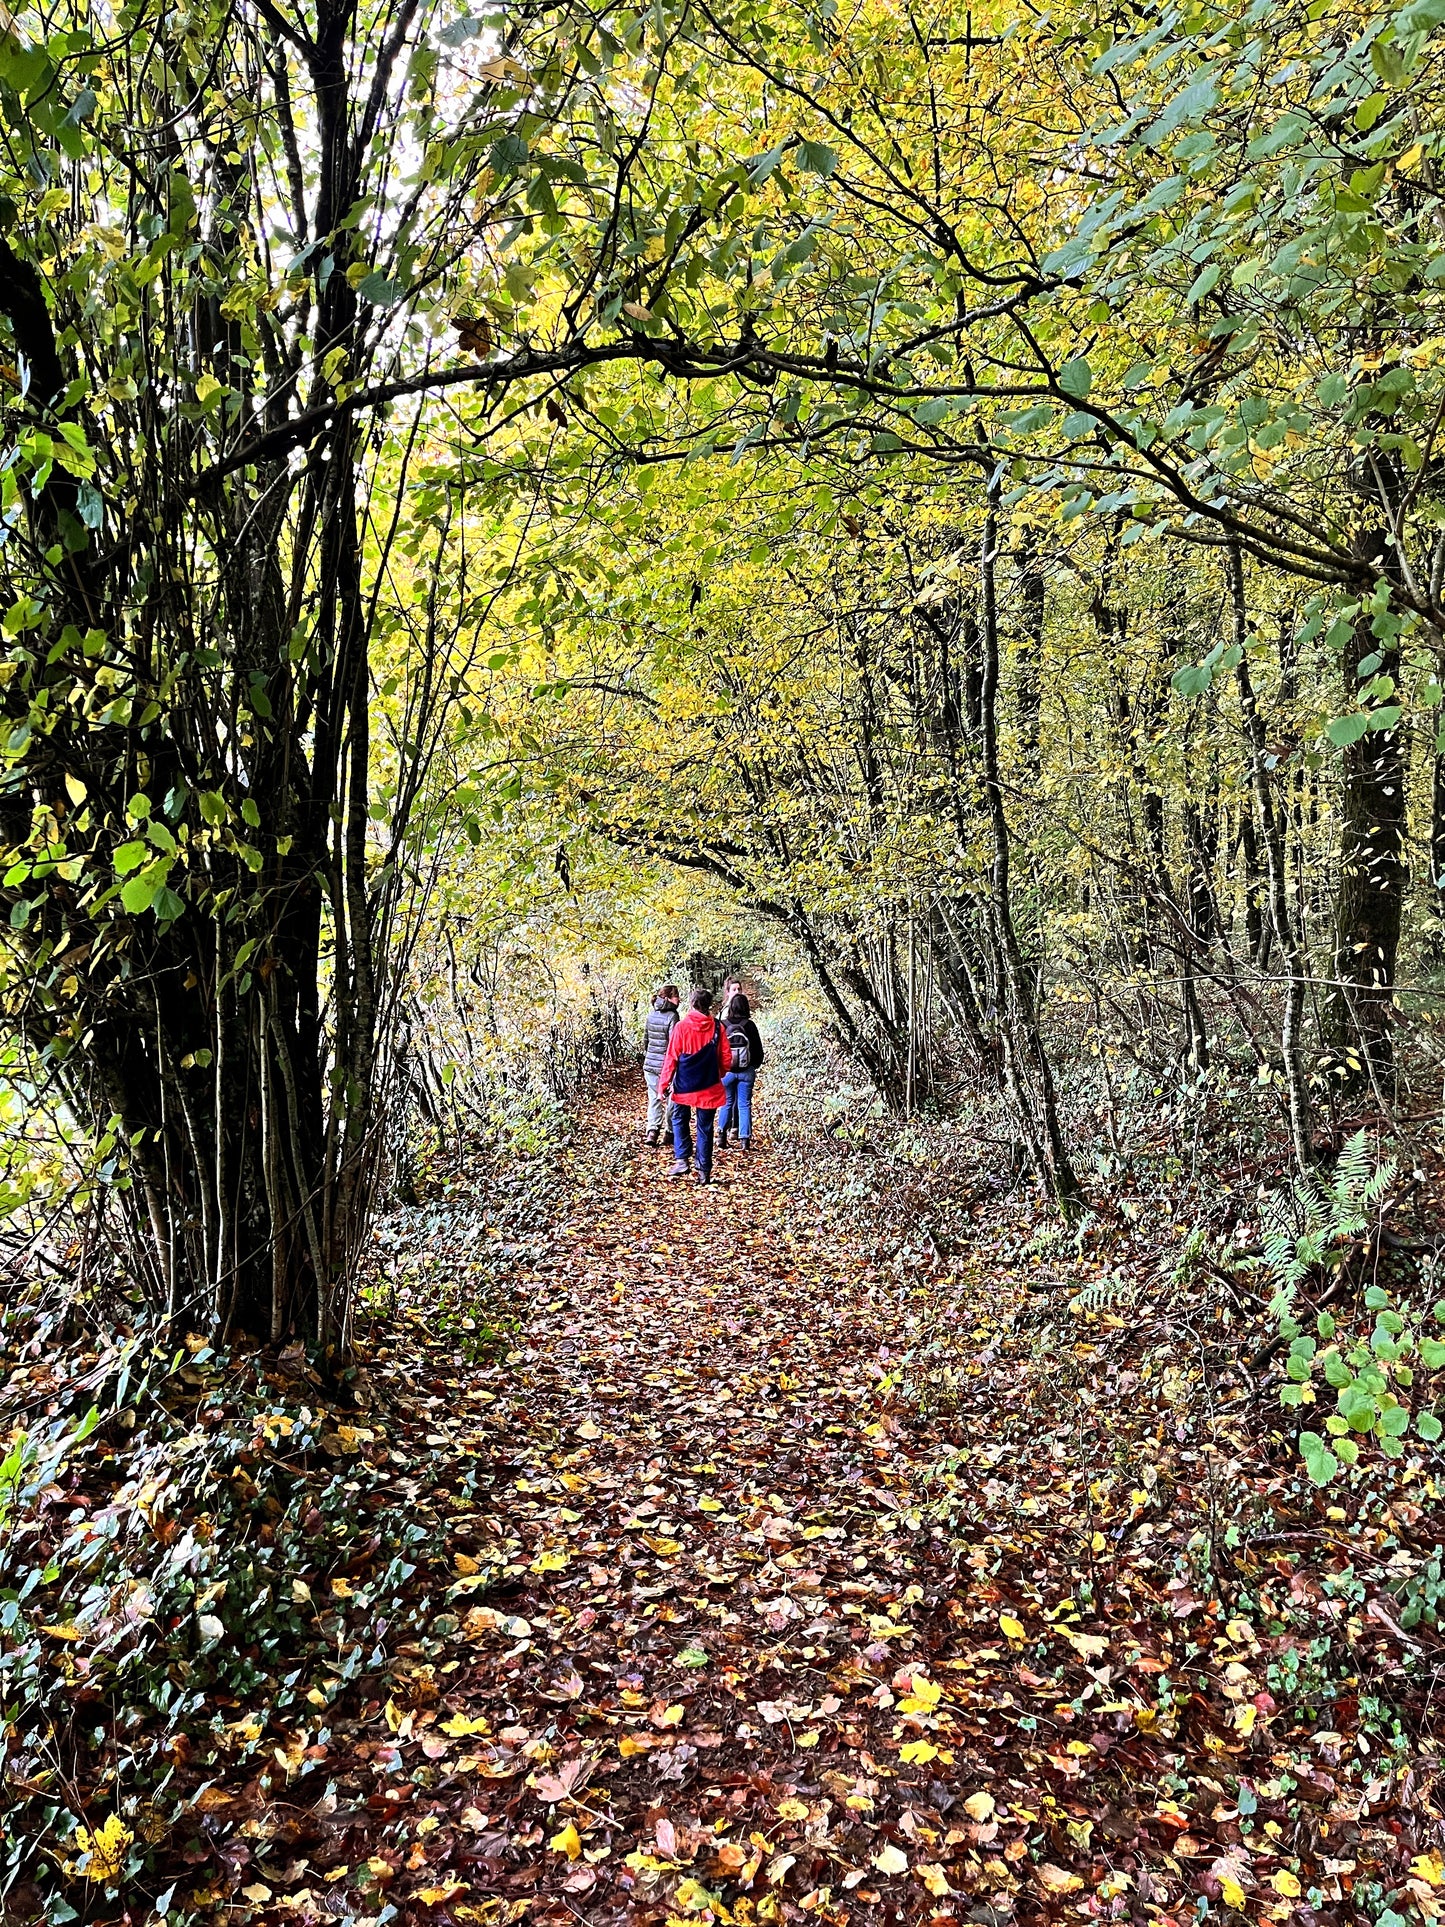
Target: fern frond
[
  {"x": 1352, "y": 1167},
  {"x": 1380, "y": 1183},
  {"x": 1103, "y": 1294}
]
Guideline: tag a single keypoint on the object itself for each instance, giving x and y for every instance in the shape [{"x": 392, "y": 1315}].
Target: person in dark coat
[
  {"x": 746, "y": 1049},
  {"x": 656, "y": 1034}
]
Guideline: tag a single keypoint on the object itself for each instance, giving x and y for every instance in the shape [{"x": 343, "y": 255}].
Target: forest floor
[
  {"x": 743, "y": 1627},
  {"x": 756, "y": 1552}
]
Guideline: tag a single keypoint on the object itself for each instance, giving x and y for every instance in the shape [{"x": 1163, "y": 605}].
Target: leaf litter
[{"x": 702, "y": 1562}]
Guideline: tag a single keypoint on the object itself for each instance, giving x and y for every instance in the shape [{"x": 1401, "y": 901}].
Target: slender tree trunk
[
  {"x": 1030, "y": 649},
  {"x": 1027, "y": 1069},
  {"x": 1370, "y": 898},
  {"x": 1301, "y": 1123}
]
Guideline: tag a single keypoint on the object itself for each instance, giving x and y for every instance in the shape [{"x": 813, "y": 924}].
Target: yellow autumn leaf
[
  {"x": 709, "y": 1504},
  {"x": 917, "y": 1753},
  {"x": 568, "y": 1841},
  {"x": 461, "y": 1727},
  {"x": 979, "y": 1806},
  {"x": 1230, "y": 1891},
  {"x": 890, "y": 1860},
  {"x": 664, "y": 1548},
  {"x": 465, "y": 1564},
  {"x": 792, "y": 1809},
  {"x": 1010, "y": 1627},
  {"x": 1245, "y": 1716},
  {"x": 934, "y": 1879},
  {"x": 669, "y": 1716},
  {"x": 1058, "y": 1880},
  {"x": 106, "y": 1849},
  {"x": 1428, "y": 1867},
  {"x": 439, "y": 1896},
  {"x": 1284, "y": 1882},
  {"x": 553, "y": 1561}
]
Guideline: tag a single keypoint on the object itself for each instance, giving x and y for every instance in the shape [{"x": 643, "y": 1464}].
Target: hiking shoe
[
  {"x": 654, "y": 1138},
  {"x": 745, "y": 1144},
  {"x": 704, "y": 1177},
  {"x": 679, "y": 1168},
  {"x": 722, "y": 1140}
]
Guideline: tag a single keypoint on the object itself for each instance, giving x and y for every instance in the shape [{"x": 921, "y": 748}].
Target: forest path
[{"x": 711, "y": 1531}]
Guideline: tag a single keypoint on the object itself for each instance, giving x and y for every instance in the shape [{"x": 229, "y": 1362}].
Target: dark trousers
[{"x": 682, "y": 1136}]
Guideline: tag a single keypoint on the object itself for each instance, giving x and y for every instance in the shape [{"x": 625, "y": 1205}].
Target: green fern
[
  {"x": 1103, "y": 1294},
  {"x": 1315, "y": 1221}
]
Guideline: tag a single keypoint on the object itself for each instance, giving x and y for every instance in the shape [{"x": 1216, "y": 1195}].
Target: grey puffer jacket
[{"x": 660, "y": 1020}]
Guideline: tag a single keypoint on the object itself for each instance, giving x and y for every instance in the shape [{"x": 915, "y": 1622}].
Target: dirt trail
[
  {"x": 710, "y": 1530},
  {"x": 691, "y": 1647}
]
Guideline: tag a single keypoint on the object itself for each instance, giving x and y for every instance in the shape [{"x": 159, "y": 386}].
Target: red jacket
[{"x": 688, "y": 1034}]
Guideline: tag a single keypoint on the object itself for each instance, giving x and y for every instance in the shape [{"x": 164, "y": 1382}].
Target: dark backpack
[
  {"x": 699, "y": 1070},
  {"x": 741, "y": 1047}
]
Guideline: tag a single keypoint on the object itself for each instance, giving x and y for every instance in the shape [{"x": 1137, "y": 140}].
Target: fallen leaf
[
  {"x": 979, "y": 1806},
  {"x": 1057, "y": 1880},
  {"x": 461, "y": 1726},
  {"x": 890, "y": 1860},
  {"x": 567, "y": 1841}
]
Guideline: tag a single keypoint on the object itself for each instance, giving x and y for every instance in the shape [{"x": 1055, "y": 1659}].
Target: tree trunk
[
  {"x": 1291, "y": 1039},
  {"x": 1027, "y": 1070},
  {"x": 1370, "y": 898}
]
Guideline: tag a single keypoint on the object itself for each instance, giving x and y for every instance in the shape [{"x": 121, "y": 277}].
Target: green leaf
[
  {"x": 379, "y": 290},
  {"x": 213, "y": 807},
  {"x": 1420, "y": 16},
  {"x": 130, "y": 856},
  {"x": 1076, "y": 378},
  {"x": 1347, "y": 729},
  {"x": 1369, "y": 111},
  {"x": 139, "y": 892},
  {"x": 1376, "y": 1298},
  {"x": 1031, "y": 418},
  {"x": 816, "y": 157},
  {"x": 1202, "y": 283},
  {"x": 1432, "y": 1353},
  {"x": 1428, "y": 1426}
]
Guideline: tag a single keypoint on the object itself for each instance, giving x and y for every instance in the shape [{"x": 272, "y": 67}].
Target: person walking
[
  {"x": 662, "y": 1020},
  {"x": 746, "y": 1049},
  {"x": 698, "y": 1058}
]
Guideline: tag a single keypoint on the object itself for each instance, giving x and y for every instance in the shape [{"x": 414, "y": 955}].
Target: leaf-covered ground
[{"x": 742, "y": 1555}]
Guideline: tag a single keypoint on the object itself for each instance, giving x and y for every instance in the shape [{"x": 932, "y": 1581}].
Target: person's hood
[
  {"x": 661, "y": 1003},
  {"x": 694, "y": 1030}
]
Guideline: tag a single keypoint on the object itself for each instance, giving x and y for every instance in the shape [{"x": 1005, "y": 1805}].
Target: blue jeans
[
  {"x": 739, "y": 1088},
  {"x": 682, "y": 1136}
]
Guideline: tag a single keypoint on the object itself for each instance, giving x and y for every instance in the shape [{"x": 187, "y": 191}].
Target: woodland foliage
[
  {"x": 966, "y": 488},
  {"x": 498, "y": 505}
]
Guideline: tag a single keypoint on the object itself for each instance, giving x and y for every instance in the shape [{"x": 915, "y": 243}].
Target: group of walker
[{"x": 699, "y": 1064}]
